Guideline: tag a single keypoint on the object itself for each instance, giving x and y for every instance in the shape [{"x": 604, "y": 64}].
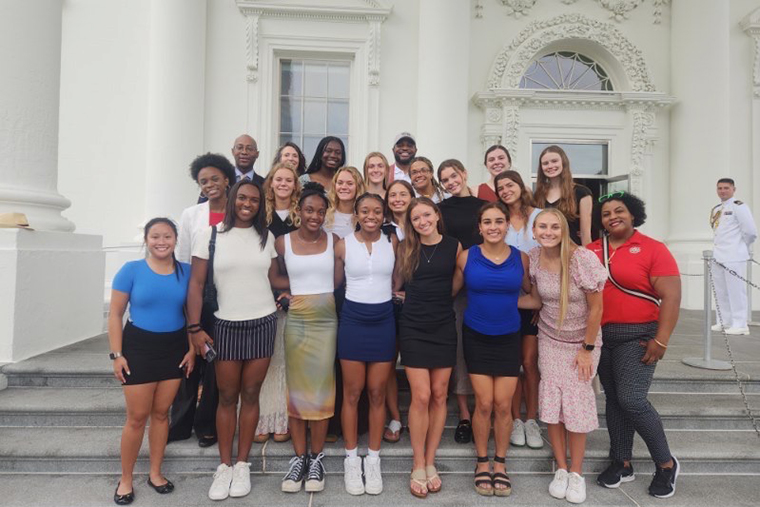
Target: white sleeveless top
[
  {"x": 310, "y": 274},
  {"x": 368, "y": 277}
]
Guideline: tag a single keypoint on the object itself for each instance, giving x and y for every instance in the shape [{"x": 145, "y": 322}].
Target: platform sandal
[
  {"x": 483, "y": 479},
  {"x": 501, "y": 479}
]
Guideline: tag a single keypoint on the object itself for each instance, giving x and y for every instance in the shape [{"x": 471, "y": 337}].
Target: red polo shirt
[{"x": 633, "y": 264}]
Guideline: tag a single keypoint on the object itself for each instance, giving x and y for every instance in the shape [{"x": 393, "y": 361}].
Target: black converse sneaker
[
  {"x": 664, "y": 481},
  {"x": 292, "y": 481},
  {"x": 315, "y": 478},
  {"x": 615, "y": 474}
]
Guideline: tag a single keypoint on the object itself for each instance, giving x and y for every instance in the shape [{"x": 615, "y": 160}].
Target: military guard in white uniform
[{"x": 735, "y": 231}]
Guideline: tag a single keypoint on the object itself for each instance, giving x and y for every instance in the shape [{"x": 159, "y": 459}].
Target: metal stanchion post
[
  {"x": 707, "y": 362},
  {"x": 750, "y": 322}
]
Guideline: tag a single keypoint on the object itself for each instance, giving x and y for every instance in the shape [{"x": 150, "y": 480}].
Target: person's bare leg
[
  {"x": 318, "y": 433},
  {"x": 377, "y": 380},
  {"x": 163, "y": 397},
  {"x": 577, "y": 444},
  {"x": 503, "y": 389},
  {"x": 558, "y": 439},
  {"x": 139, "y": 400},
  {"x": 419, "y": 417},
  {"x": 354, "y": 374},
  {"x": 253, "y": 374},
  {"x": 531, "y": 376},
  {"x": 439, "y": 387},
  {"x": 483, "y": 386},
  {"x": 298, "y": 435},
  {"x": 228, "y": 382}
]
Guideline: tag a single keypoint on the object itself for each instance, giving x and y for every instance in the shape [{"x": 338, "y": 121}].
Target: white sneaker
[
  {"x": 517, "y": 438},
  {"x": 220, "y": 488},
  {"x": 241, "y": 479},
  {"x": 352, "y": 476},
  {"x": 576, "y": 488},
  {"x": 717, "y": 327},
  {"x": 558, "y": 486},
  {"x": 373, "y": 476},
  {"x": 737, "y": 331},
  {"x": 533, "y": 434}
]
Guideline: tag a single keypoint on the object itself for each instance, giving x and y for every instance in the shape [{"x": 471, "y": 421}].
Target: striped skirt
[
  {"x": 310, "y": 340},
  {"x": 241, "y": 340}
]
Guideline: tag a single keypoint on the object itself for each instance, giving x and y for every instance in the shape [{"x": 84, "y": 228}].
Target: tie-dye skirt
[{"x": 310, "y": 340}]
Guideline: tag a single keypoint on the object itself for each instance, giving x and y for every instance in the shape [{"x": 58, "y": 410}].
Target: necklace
[
  {"x": 305, "y": 241},
  {"x": 428, "y": 259},
  {"x": 498, "y": 258}
]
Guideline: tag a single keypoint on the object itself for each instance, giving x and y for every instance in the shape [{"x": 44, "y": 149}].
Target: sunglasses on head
[{"x": 607, "y": 197}]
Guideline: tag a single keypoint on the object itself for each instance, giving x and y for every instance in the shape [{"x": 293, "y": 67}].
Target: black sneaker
[
  {"x": 293, "y": 480},
  {"x": 664, "y": 481},
  {"x": 315, "y": 478},
  {"x": 615, "y": 474}
]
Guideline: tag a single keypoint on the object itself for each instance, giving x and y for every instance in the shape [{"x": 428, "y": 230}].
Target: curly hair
[
  {"x": 212, "y": 160},
  {"x": 636, "y": 208},
  {"x": 269, "y": 199}
]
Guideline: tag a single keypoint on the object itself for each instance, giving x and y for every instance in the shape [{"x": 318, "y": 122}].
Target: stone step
[
  {"x": 29, "y": 406},
  {"x": 528, "y": 490},
  {"x": 67, "y": 450}
]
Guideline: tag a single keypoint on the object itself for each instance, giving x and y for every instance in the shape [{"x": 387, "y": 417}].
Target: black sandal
[
  {"x": 463, "y": 433},
  {"x": 501, "y": 479},
  {"x": 163, "y": 489},
  {"x": 479, "y": 483},
  {"x": 123, "y": 499}
]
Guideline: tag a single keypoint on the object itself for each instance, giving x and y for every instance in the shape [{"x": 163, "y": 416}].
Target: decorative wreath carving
[{"x": 514, "y": 58}]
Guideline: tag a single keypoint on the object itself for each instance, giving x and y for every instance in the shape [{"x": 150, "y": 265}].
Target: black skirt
[
  {"x": 428, "y": 346},
  {"x": 495, "y": 356},
  {"x": 153, "y": 357},
  {"x": 527, "y": 327}
]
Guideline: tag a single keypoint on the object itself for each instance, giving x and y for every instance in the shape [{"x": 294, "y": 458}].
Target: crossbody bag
[{"x": 630, "y": 292}]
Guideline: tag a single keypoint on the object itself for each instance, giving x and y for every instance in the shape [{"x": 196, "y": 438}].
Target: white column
[
  {"x": 175, "y": 104},
  {"x": 30, "y": 52},
  {"x": 699, "y": 131},
  {"x": 51, "y": 281},
  {"x": 443, "y": 79}
]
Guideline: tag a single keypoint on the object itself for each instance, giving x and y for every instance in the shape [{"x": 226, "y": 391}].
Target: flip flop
[
  {"x": 419, "y": 478},
  {"x": 393, "y": 432},
  {"x": 431, "y": 473}
]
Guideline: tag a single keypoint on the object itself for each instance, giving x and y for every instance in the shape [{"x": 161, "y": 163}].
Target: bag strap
[
  {"x": 211, "y": 251},
  {"x": 630, "y": 292}
]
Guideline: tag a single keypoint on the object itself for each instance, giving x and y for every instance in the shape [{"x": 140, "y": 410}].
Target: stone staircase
[{"x": 61, "y": 417}]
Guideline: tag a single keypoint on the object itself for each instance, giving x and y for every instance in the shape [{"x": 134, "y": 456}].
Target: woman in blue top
[
  {"x": 151, "y": 353},
  {"x": 493, "y": 275}
]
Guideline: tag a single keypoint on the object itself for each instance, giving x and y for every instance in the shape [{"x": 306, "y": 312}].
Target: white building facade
[{"x": 661, "y": 97}]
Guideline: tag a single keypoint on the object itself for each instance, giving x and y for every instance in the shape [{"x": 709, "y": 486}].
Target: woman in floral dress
[{"x": 570, "y": 283}]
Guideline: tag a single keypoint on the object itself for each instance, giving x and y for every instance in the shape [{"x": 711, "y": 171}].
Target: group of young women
[{"x": 325, "y": 262}]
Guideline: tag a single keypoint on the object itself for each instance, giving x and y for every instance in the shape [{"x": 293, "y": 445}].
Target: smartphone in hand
[{"x": 210, "y": 353}]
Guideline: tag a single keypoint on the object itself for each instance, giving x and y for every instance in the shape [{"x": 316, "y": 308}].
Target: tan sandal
[
  {"x": 281, "y": 437},
  {"x": 261, "y": 438},
  {"x": 501, "y": 479},
  {"x": 419, "y": 478},
  {"x": 431, "y": 473}
]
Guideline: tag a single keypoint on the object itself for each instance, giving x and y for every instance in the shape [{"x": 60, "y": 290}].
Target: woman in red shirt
[{"x": 641, "y": 302}]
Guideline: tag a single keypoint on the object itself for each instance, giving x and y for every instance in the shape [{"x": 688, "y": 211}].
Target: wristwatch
[
  {"x": 589, "y": 347},
  {"x": 115, "y": 355}
]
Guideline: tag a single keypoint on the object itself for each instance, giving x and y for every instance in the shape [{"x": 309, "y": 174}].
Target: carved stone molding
[
  {"x": 511, "y": 124},
  {"x": 478, "y": 9},
  {"x": 619, "y": 9},
  {"x": 514, "y": 58},
  {"x": 751, "y": 26},
  {"x": 373, "y": 12},
  {"x": 518, "y": 8},
  {"x": 642, "y": 143}
]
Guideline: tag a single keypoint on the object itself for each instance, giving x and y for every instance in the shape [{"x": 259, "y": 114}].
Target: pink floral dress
[{"x": 562, "y": 398}]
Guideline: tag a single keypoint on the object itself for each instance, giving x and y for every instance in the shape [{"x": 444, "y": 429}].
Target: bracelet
[
  {"x": 660, "y": 344},
  {"x": 193, "y": 326},
  {"x": 194, "y": 331}
]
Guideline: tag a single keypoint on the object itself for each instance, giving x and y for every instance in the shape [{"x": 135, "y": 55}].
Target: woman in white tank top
[
  {"x": 306, "y": 259},
  {"x": 366, "y": 336}
]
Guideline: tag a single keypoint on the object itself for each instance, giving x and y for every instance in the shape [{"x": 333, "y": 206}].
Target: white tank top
[
  {"x": 368, "y": 277},
  {"x": 310, "y": 274}
]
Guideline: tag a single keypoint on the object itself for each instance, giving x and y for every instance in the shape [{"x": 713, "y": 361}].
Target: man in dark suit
[{"x": 245, "y": 151}]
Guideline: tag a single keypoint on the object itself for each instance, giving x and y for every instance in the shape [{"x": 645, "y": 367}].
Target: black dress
[
  {"x": 427, "y": 329},
  {"x": 574, "y": 225},
  {"x": 280, "y": 227},
  {"x": 460, "y": 216}
]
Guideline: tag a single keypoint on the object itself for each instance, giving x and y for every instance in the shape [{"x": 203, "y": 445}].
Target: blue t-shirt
[
  {"x": 155, "y": 301},
  {"x": 492, "y": 292}
]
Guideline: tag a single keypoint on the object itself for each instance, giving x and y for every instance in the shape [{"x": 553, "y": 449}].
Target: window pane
[
  {"x": 310, "y": 146},
  {"x": 337, "y": 118},
  {"x": 566, "y": 70},
  {"x": 291, "y": 79},
  {"x": 290, "y": 115},
  {"x": 285, "y": 138},
  {"x": 337, "y": 81},
  {"x": 316, "y": 79},
  {"x": 585, "y": 158},
  {"x": 314, "y": 116},
  {"x": 345, "y": 143}
]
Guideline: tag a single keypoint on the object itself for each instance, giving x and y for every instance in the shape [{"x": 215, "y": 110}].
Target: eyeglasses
[{"x": 603, "y": 198}]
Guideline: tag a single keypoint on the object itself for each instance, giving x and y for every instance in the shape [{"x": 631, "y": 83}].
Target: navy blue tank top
[{"x": 492, "y": 292}]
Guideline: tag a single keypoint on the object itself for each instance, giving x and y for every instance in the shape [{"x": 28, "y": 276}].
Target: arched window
[{"x": 565, "y": 70}]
